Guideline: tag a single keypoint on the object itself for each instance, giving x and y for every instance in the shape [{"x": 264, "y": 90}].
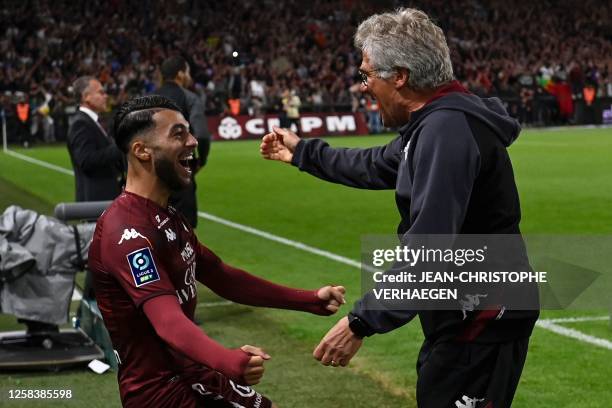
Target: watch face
[{"x": 356, "y": 326}]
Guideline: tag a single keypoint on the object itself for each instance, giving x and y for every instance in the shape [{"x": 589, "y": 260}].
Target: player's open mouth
[{"x": 185, "y": 162}]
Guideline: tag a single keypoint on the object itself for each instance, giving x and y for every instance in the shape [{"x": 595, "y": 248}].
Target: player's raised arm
[
  {"x": 242, "y": 287},
  {"x": 373, "y": 168},
  {"x": 244, "y": 365}
]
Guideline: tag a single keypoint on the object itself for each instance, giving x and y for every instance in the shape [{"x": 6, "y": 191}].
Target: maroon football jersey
[{"x": 141, "y": 250}]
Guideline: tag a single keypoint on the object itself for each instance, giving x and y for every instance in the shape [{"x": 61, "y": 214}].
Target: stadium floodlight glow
[{"x": 235, "y": 54}]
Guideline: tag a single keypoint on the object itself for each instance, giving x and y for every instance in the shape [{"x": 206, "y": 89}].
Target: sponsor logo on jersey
[
  {"x": 189, "y": 291},
  {"x": 242, "y": 390},
  {"x": 187, "y": 252},
  {"x": 202, "y": 390},
  {"x": 161, "y": 223},
  {"x": 142, "y": 267},
  {"x": 170, "y": 235},
  {"x": 130, "y": 233}
]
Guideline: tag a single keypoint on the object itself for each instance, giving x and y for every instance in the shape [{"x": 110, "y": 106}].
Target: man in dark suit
[
  {"x": 176, "y": 75},
  {"x": 97, "y": 162}
]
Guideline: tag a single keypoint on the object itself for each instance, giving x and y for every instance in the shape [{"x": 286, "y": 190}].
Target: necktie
[{"x": 101, "y": 128}]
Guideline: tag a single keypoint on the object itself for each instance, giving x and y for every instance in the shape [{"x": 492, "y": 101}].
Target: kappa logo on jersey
[
  {"x": 170, "y": 235},
  {"x": 128, "y": 234},
  {"x": 468, "y": 402},
  {"x": 142, "y": 267}
]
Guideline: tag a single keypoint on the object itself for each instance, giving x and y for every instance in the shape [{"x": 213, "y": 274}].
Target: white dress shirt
[{"x": 94, "y": 116}]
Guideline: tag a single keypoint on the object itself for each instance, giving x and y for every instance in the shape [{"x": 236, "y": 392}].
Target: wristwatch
[{"x": 358, "y": 326}]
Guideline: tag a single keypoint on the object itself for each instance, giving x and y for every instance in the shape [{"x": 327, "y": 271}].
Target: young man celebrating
[{"x": 145, "y": 261}]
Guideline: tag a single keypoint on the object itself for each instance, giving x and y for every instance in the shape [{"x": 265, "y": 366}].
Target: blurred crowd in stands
[{"x": 541, "y": 57}]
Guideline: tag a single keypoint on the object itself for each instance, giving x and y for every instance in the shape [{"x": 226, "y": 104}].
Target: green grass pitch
[{"x": 565, "y": 181}]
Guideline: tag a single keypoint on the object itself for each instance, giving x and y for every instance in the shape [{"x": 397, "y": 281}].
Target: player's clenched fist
[
  {"x": 279, "y": 145},
  {"x": 255, "y": 367},
  {"x": 332, "y": 297}
]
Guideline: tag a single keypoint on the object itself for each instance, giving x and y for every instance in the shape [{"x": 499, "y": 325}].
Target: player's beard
[{"x": 166, "y": 171}]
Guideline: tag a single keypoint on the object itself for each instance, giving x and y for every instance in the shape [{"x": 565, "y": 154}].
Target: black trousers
[
  {"x": 185, "y": 202},
  {"x": 469, "y": 375}
]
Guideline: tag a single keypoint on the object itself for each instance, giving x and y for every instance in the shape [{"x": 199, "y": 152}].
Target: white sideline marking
[
  {"x": 77, "y": 295},
  {"x": 544, "y": 324},
  {"x": 575, "y": 334},
  {"x": 537, "y": 143},
  {"x": 286, "y": 241},
  {"x": 215, "y": 304},
  {"x": 39, "y": 162},
  {"x": 576, "y": 127},
  {"x": 577, "y": 319}
]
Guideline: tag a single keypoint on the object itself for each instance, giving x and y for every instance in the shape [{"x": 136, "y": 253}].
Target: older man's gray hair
[
  {"x": 80, "y": 86},
  {"x": 406, "y": 38}
]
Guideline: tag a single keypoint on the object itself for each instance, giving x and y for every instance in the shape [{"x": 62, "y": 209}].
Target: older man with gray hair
[
  {"x": 452, "y": 174},
  {"x": 96, "y": 160}
]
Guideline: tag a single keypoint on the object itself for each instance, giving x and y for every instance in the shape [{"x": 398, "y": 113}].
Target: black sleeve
[
  {"x": 445, "y": 165},
  {"x": 373, "y": 168},
  {"x": 86, "y": 154},
  {"x": 199, "y": 127}
]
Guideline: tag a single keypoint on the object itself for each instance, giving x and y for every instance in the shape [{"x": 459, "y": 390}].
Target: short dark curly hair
[{"x": 136, "y": 116}]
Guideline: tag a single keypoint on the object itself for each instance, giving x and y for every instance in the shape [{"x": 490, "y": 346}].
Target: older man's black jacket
[{"x": 451, "y": 174}]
